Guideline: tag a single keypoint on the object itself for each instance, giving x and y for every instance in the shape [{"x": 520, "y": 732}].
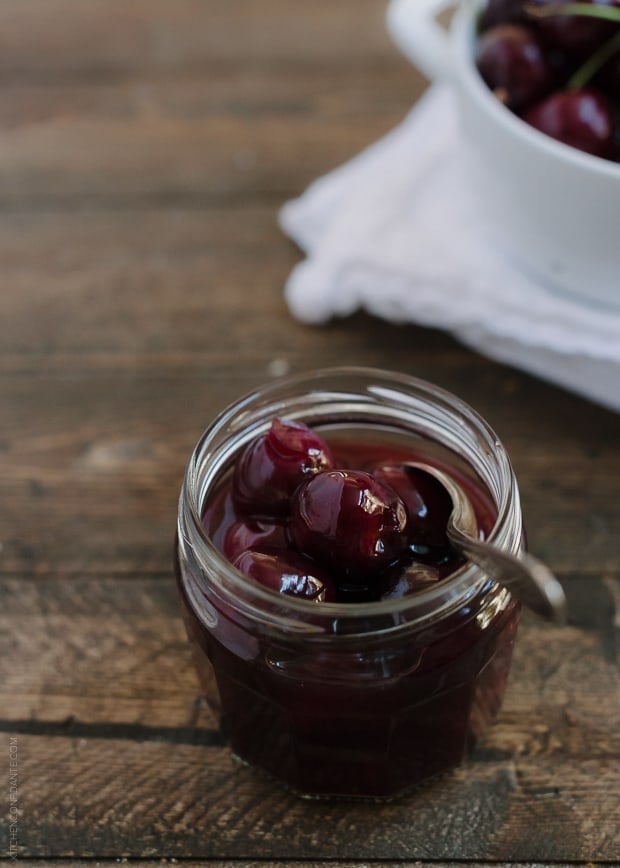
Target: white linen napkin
[{"x": 396, "y": 231}]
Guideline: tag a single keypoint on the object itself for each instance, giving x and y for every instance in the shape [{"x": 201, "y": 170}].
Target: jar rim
[{"x": 433, "y": 602}]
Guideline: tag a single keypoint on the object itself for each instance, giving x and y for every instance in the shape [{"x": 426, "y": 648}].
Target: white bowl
[{"x": 553, "y": 207}]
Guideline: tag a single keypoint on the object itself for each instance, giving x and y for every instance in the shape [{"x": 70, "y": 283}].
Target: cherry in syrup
[
  {"x": 287, "y": 573},
  {"x": 274, "y": 464},
  {"x": 349, "y": 521}
]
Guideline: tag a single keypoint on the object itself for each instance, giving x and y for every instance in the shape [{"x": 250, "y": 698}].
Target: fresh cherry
[
  {"x": 512, "y": 62},
  {"x": 581, "y": 118},
  {"x": 287, "y": 573},
  {"x": 274, "y": 464},
  {"x": 349, "y": 521},
  {"x": 574, "y": 35},
  {"x": 530, "y": 51}
]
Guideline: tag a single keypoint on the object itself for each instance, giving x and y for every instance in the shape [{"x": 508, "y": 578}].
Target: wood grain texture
[
  {"x": 106, "y": 36},
  {"x": 210, "y": 128},
  {"x": 270, "y": 863},
  {"x": 141, "y": 798},
  {"x": 146, "y": 149}
]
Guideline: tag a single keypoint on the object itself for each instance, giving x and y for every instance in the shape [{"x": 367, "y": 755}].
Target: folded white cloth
[{"x": 397, "y": 231}]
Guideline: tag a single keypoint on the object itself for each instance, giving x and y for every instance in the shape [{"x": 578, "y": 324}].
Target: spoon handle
[{"x": 527, "y": 578}]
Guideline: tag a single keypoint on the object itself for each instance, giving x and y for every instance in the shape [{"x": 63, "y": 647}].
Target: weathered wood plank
[
  {"x": 117, "y": 101},
  {"x": 221, "y": 158},
  {"x": 217, "y": 863},
  {"x": 142, "y": 800},
  {"x": 213, "y": 134},
  {"x": 107, "y": 651},
  {"x": 380, "y": 91},
  {"x": 143, "y": 284},
  {"x": 71, "y": 38}
]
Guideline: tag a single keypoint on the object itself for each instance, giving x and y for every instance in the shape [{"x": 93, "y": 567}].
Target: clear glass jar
[{"x": 364, "y": 699}]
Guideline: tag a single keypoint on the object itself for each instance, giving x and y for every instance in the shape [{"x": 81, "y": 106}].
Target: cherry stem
[
  {"x": 610, "y": 13},
  {"x": 592, "y": 65}
]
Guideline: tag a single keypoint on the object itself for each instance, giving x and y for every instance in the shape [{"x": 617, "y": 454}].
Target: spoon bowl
[{"x": 527, "y": 578}]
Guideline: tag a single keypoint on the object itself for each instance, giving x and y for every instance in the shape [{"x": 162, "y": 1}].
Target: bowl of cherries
[
  {"x": 344, "y": 646},
  {"x": 558, "y": 70},
  {"x": 538, "y": 91}
]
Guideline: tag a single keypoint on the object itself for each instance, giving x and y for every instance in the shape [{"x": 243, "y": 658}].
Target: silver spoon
[{"x": 527, "y": 578}]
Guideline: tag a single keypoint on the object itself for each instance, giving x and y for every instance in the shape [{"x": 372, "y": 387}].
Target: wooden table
[{"x": 146, "y": 147}]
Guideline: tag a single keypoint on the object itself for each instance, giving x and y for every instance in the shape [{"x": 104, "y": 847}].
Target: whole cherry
[
  {"x": 581, "y": 118},
  {"x": 274, "y": 464},
  {"x": 252, "y": 534},
  {"x": 287, "y": 573},
  {"x": 512, "y": 62},
  {"x": 350, "y": 522}
]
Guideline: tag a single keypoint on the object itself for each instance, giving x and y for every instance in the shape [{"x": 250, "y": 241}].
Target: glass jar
[{"x": 351, "y": 699}]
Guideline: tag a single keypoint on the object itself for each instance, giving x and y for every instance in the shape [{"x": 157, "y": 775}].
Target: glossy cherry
[
  {"x": 349, "y": 521},
  {"x": 287, "y": 573},
  {"x": 512, "y": 62},
  {"x": 581, "y": 118},
  {"x": 274, "y": 464},
  {"x": 252, "y": 534}
]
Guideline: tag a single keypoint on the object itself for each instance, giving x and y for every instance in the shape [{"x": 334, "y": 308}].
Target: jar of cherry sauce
[{"x": 352, "y": 699}]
